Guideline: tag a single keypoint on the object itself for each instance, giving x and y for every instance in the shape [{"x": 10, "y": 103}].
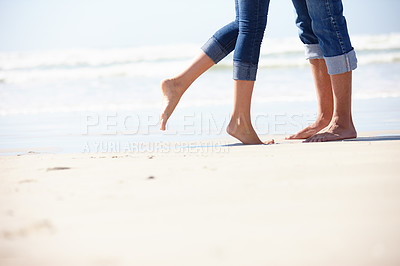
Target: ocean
[{"x": 64, "y": 101}]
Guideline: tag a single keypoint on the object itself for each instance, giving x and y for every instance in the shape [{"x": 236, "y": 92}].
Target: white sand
[{"x": 285, "y": 204}]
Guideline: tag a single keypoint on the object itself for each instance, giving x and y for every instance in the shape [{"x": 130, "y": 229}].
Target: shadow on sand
[{"x": 376, "y": 138}]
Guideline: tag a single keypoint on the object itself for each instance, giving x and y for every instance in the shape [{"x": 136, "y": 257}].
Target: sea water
[{"x": 64, "y": 100}]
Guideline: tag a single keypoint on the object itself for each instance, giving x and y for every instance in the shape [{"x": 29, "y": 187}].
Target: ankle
[
  {"x": 181, "y": 83},
  {"x": 243, "y": 131},
  {"x": 175, "y": 84},
  {"x": 240, "y": 124},
  {"x": 342, "y": 121},
  {"x": 323, "y": 119},
  {"x": 240, "y": 119}
]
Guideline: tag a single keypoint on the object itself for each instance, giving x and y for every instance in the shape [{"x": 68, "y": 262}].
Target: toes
[
  {"x": 321, "y": 138},
  {"x": 163, "y": 123},
  {"x": 324, "y": 137},
  {"x": 164, "y": 118},
  {"x": 270, "y": 142},
  {"x": 308, "y": 140},
  {"x": 314, "y": 138},
  {"x": 317, "y": 138}
]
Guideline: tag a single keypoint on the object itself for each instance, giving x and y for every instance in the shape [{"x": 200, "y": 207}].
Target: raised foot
[
  {"x": 311, "y": 130},
  {"x": 334, "y": 132},
  {"x": 171, "y": 94},
  {"x": 245, "y": 134}
]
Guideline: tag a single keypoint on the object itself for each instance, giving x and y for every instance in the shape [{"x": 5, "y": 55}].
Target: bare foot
[
  {"x": 311, "y": 130},
  {"x": 272, "y": 141},
  {"x": 334, "y": 132},
  {"x": 172, "y": 93},
  {"x": 243, "y": 132}
]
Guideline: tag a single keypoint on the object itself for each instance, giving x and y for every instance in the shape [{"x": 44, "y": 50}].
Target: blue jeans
[
  {"x": 244, "y": 35},
  {"x": 323, "y": 30}
]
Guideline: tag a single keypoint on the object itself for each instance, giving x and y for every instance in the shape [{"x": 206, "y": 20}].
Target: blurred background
[
  {"x": 63, "y": 63},
  {"x": 48, "y": 24}
]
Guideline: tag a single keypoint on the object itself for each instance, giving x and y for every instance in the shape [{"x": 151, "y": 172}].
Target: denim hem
[
  {"x": 341, "y": 63},
  {"x": 313, "y": 51},
  {"x": 213, "y": 49},
  {"x": 244, "y": 71}
]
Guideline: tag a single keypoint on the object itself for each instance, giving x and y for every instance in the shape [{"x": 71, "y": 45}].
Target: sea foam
[
  {"x": 159, "y": 61},
  {"x": 128, "y": 78}
]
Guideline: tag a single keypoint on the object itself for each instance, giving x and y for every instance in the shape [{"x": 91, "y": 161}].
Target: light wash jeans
[
  {"x": 244, "y": 35},
  {"x": 323, "y": 30}
]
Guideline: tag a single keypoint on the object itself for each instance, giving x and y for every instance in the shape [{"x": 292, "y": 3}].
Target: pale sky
[{"x": 65, "y": 24}]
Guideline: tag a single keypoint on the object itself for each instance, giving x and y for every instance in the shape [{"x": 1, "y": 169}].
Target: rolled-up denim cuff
[
  {"x": 214, "y": 50},
  {"x": 341, "y": 63},
  {"x": 313, "y": 51},
  {"x": 244, "y": 71}
]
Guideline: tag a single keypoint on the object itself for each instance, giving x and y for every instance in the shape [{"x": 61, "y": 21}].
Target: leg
[
  {"x": 319, "y": 71},
  {"x": 240, "y": 125},
  {"x": 329, "y": 25},
  {"x": 341, "y": 126},
  {"x": 173, "y": 89},
  {"x": 323, "y": 86},
  {"x": 252, "y": 23},
  {"x": 323, "y": 30},
  {"x": 219, "y": 46}
]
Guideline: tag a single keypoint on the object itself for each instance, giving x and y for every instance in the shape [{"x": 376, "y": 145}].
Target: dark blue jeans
[
  {"x": 244, "y": 35},
  {"x": 323, "y": 30}
]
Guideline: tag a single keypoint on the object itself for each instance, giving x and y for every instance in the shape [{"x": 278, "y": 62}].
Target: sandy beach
[
  {"x": 87, "y": 178},
  {"x": 284, "y": 204}
]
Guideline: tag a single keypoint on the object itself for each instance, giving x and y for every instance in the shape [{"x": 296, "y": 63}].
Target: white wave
[
  {"x": 72, "y": 108},
  {"x": 376, "y": 42},
  {"x": 159, "y": 69},
  {"x": 161, "y": 61},
  {"x": 376, "y": 58},
  {"x": 106, "y": 57},
  {"x": 94, "y": 57},
  {"x": 144, "y": 69},
  {"x": 275, "y": 46}
]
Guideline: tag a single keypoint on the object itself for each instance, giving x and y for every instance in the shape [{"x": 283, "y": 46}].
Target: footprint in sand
[
  {"x": 58, "y": 168},
  {"x": 27, "y": 181},
  {"x": 40, "y": 227}
]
